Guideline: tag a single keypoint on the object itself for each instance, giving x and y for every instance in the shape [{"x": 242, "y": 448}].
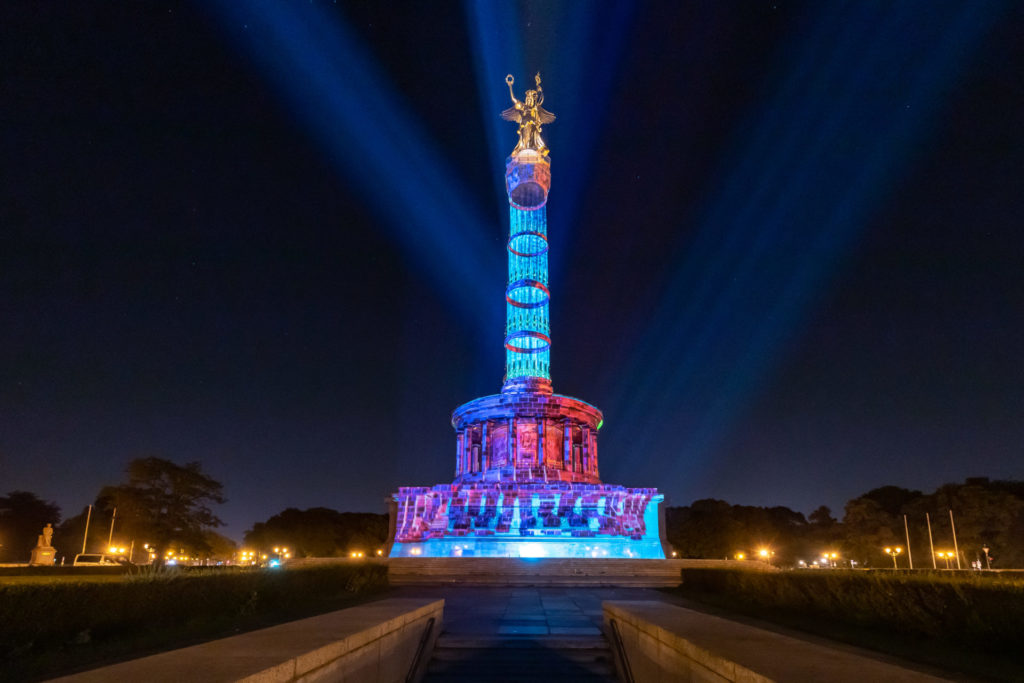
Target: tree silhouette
[
  {"x": 320, "y": 532},
  {"x": 165, "y": 504}
]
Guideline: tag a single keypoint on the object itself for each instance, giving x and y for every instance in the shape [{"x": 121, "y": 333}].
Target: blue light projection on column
[{"x": 527, "y": 330}]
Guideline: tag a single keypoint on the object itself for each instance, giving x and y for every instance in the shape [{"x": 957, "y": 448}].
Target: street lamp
[
  {"x": 893, "y": 552},
  {"x": 947, "y": 556},
  {"x": 988, "y": 559}
]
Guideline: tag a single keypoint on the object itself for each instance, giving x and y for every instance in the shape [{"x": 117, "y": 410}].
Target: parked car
[{"x": 95, "y": 560}]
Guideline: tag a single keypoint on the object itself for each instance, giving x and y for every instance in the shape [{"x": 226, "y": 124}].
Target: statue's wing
[
  {"x": 544, "y": 116},
  {"x": 511, "y": 114}
]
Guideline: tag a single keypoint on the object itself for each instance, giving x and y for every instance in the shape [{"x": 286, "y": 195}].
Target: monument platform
[{"x": 495, "y": 571}]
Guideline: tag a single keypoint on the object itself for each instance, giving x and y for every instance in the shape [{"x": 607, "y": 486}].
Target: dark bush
[
  {"x": 982, "y": 612},
  {"x": 36, "y": 617},
  {"x": 66, "y": 570}
]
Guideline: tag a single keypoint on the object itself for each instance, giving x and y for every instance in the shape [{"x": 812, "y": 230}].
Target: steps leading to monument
[
  {"x": 518, "y": 658},
  {"x": 500, "y": 571}
]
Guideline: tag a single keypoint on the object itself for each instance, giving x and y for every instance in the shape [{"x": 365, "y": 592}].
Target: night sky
[{"x": 786, "y": 242}]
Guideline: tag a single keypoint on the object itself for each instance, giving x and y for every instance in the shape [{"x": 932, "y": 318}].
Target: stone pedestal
[{"x": 42, "y": 556}]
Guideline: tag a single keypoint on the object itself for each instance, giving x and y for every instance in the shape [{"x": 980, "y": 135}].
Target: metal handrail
[
  {"x": 411, "y": 676},
  {"x": 620, "y": 649}
]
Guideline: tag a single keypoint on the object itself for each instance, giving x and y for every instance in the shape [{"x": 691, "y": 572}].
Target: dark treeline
[
  {"x": 986, "y": 514},
  {"x": 161, "y": 510},
  {"x": 320, "y": 532}
]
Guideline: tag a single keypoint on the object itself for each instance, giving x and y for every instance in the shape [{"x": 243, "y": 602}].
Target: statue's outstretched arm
[{"x": 511, "y": 93}]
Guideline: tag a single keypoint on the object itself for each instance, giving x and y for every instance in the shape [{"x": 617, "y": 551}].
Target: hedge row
[
  {"x": 985, "y": 613},
  {"x": 58, "y": 570},
  {"x": 36, "y": 617}
]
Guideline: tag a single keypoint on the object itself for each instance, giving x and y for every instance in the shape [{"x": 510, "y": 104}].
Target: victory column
[{"x": 526, "y": 475}]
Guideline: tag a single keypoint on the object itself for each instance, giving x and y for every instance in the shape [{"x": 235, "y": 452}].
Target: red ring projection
[
  {"x": 527, "y": 254},
  {"x": 527, "y": 334},
  {"x": 521, "y": 284}
]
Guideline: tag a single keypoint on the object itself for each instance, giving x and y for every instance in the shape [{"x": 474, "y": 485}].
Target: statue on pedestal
[{"x": 43, "y": 554}]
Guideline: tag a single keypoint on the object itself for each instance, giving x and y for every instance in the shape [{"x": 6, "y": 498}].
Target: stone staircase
[
  {"x": 500, "y": 571},
  {"x": 514, "y": 659}
]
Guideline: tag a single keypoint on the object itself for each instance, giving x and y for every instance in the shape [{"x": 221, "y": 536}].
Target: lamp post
[
  {"x": 947, "y": 556},
  {"x": 85, "y": 536},
  {"x": 110, "y": 536},
  {"x": 956, "y": 548},
  {"x": 893, "y": 552},
  {"x": 928, "y": 521},
  {"x": 988, "y": 560}
]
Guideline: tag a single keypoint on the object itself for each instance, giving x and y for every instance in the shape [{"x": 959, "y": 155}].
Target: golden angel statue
[{"x": 530, "y": 116}]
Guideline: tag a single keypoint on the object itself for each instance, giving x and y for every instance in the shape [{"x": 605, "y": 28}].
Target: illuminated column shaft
[{"x": 527, "y": 326}]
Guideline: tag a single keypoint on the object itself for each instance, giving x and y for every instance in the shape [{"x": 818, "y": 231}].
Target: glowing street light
[
  {"x": 741, "y": 556},
  {"x": 893, "y": 552},
  {"x": 944, "y": 555}
]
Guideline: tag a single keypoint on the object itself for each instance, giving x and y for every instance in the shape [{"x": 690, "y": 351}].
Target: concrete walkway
[
  {"x": 548, "y": 633},
  {"x": 497, "y": 634}
]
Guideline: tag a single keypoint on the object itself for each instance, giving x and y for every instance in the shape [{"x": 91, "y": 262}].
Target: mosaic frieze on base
[{"x": 562, "y": 510}]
